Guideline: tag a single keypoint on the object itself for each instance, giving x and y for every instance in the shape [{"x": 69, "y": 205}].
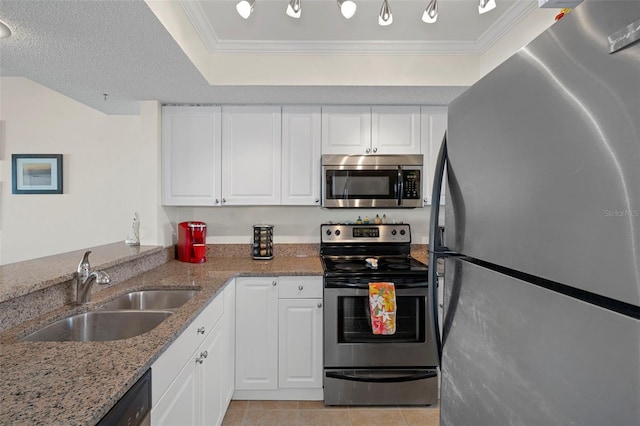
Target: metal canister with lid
[{"x": 262, "y": 247}]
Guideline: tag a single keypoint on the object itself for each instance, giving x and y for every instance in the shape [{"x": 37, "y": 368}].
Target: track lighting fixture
[
  {"x": 294, "y": 9},
  {"x": 386, "y": 17},
  {"x": 430, "y": 15},
  {"x": 347, "y": 8},
  {"x": 5, "y": 31},
  {"x": 486, "y": 5},
  {"x": 245, "y": 7}
]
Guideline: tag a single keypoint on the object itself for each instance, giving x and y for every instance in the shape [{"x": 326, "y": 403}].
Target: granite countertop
[
  {"x": 76, "y": 383},
  {"x": 26, "y": 277}
]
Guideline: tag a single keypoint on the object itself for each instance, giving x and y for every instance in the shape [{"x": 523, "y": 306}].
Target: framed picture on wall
[{"x": 36, "y": 173}]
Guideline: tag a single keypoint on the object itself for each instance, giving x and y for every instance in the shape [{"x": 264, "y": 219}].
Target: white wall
[{"x": 110, "y": 170}]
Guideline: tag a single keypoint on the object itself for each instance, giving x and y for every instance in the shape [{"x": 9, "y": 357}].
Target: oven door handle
[{"x": 370, "y": 376}]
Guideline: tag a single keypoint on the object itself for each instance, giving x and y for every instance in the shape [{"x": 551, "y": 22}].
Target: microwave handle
[{"x": 400, "y": 186}]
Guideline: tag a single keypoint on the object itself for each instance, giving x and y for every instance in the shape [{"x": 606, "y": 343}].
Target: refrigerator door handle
[
  {"x": 371, "y": 377},
  {"x": 436, "y": 248}
]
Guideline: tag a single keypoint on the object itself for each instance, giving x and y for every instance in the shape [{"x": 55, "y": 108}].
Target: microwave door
[{"x": 358, "y": 187}]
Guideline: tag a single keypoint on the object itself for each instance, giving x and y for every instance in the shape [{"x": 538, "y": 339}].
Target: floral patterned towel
[{"x": 382, "y": 303}]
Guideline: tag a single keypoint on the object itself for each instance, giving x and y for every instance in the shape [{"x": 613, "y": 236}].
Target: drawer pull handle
[
  {"x": 300, "y": 288},
  {"x": 201, "y": 330},
  {"x": 274, "y": 283},
  {"x": 319, "y": 304},
  {"x": 204, "y": 354},
  {"x": 199, "y": 360}
]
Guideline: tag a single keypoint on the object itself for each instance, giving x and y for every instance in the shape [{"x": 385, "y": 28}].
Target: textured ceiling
[{"x": 86, "y": 48}]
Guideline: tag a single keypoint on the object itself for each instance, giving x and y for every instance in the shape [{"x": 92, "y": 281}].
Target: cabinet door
[
  {"x": 300, "y": 343},
  {"x": 256, "y": 333},
  {"x": 230, "y": 342},
  {"x": 301, "y": 141},
  {"x": 251, "y": 155},
  {"x": 346, "y": 130},
  {"x": 191, "y": 156},
  {"x": 434, "y": 124},
  {"x": 180, "y": 403},
  {"x": 395, "y": 130},
  {"x": 211, "y": 376}
]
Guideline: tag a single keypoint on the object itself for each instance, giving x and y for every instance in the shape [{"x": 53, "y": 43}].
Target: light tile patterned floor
[{"x": 312, "y": 413}]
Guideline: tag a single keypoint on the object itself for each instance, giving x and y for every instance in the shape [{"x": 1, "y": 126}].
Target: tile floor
[{"x": 311, "y": 413}]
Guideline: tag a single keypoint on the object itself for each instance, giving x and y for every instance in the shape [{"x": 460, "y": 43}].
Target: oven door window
[
  {"x": 354, "y": 320},
  {"x": 361, "y": 184}
]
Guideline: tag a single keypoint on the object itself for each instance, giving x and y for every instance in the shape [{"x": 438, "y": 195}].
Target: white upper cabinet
[
  {"x": 301, "y": 155},
  {"x": 191, "y": 156},
  {"x": 395, "y": 130},
  {"x": 434, "y": 124},
  {"x": 346, "y": 129},
  {"x": 251, "y": 155},
  {"x": 371, "y": 130}
]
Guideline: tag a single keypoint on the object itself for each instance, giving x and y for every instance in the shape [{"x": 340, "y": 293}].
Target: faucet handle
[
  {"x": 102, "y": 277},
  {"x": 84, "y": 266}
]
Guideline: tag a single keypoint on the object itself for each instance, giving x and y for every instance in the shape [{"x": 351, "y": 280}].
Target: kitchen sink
[
  {"x": 150, "y": 299},
  {"x": 100, "y": 326}
]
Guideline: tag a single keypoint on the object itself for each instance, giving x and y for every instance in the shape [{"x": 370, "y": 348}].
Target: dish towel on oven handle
[{"x": 382, "y": 304}]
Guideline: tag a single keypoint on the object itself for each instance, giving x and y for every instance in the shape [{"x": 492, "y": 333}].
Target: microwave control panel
[{"x": 411, "y": 184}]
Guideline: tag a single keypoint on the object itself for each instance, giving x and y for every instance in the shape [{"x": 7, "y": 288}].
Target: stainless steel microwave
[{"x": 357, "y": 181}]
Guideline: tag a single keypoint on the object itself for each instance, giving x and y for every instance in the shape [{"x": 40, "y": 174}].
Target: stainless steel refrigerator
[{"x": 542, "y": 231}]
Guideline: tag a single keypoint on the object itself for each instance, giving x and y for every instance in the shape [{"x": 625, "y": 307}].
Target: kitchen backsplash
[{"x": 292, "y": 225}]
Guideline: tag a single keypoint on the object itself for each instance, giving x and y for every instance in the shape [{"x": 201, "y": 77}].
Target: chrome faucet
[{"x": 84, "y": 280}]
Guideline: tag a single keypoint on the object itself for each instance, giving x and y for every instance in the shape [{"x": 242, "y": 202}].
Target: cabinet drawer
[{"x": 300, "y": 287}]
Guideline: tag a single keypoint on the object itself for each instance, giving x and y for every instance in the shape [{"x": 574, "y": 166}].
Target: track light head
[
  {"x": 486, "y": 5},
  {"x": 245, "y": 7},
  {"x": 430, "y": 14},
  {"x": 347, "y": 8},
  {"x": 386, "y": 17},
  {"x": 294, "y": 9}
]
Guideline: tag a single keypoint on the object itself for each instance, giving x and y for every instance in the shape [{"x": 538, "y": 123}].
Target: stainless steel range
[{"x": 360, "y": 367}]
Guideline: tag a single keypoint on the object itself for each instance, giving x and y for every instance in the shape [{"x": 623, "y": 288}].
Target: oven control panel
[{"x": 380, "y": 233}]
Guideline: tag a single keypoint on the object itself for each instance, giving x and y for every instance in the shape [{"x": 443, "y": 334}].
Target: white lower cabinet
[
  {"x": 256, "y": 333},
  {"x": 190, "y": 383},
  {"x": 279, "y": 338},
  {"x": 299, "y": 349}
]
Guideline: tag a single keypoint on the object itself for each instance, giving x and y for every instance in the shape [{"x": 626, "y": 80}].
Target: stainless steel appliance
[
  {"x": 363, "y": 368},
  {"x": 372, "y": 181},
  {"x": 542, "y": 236},
  {"x": 134, "y": 408}
]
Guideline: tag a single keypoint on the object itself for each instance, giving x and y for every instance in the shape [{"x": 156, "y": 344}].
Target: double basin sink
[{"x": 128, "y": 315}]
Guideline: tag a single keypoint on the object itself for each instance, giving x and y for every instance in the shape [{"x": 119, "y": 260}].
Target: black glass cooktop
[{"x": 335, "y": 265}]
